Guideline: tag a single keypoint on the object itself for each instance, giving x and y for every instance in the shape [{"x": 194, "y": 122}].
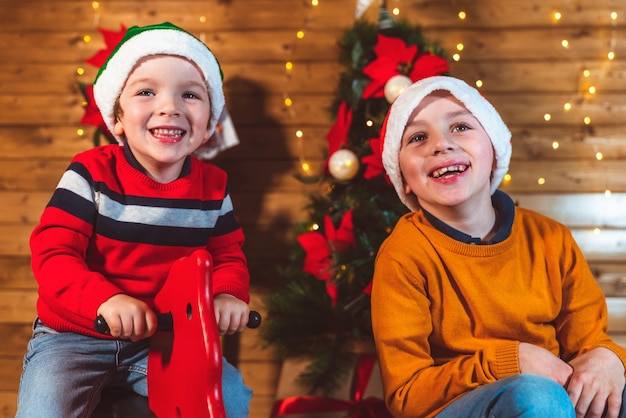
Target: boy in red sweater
[
  {"x": 481, "y": 308},
  {"x": 120, "y": 216}
]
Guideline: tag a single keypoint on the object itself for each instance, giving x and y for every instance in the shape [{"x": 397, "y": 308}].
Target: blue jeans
[
  {"x": 522, "y": 396},
  {"x": 64, "y": 374}
]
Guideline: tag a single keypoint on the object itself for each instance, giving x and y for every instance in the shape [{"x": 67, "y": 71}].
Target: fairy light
[
  {"x": 565, "y": 43},
  {"x": 395, "y": 11},
  {"x": 369, "y": 123},
  {"x": 80, "y": 71},
  {"x": 599, "y": 156},
  {"x": 556, "y": 16},
  {"x": 80, "y": 132},
  {"x": 541, "y": 181},
  {"x": 567, "y": 106},
  {"x": 607, "y": 193},
  {"x": 462, "y": 15},
  {"x": 547, "y": 117},
  {"x": 587, "y": 120},
  {"x": 507, "y": 178},
  {"x": 479, "y": 83},
  {"x": 596, "y": 231},
  {"x": 202, "y": 19},
  {"x": 555, "y": 145},
  {"x": 592, "y": 89},
  {"x": 456, "y": 57}
]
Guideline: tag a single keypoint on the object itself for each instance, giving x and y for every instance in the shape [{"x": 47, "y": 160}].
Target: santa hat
[
  {"x": 410, "y": 98},
  {"x": 161, "y": 39}
]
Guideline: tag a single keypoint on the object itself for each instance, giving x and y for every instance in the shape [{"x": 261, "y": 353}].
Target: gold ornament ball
[{"x": 343, "y": 164}]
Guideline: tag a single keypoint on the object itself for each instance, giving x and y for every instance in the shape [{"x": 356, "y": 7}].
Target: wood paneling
[{"x": 513, "y": 47}]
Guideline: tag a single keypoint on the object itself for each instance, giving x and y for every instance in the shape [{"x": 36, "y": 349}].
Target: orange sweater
[{"x": 448, "y": 317}]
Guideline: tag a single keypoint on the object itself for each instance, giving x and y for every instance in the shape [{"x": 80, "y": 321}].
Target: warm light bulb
[
  {"x": 507, "y": 178},
  {"x": 395, "y": 11},
  {"x": 479, "y": 83},
  {"x": 80, "y": 131},
  {"x": 462, "y": 15},
  {"x": 315, "y": 227},
  {"x": 565, "y": 43},
  {"x": 369, "y": 123},
  {"x": 300, "y": 34},
  {"x": 202, "y": 19},
  {"x": 87, "y": 39},
  {"x": 460, "y": 47},
  {"x": 288, "y": 102},
  {"x": 596, "y": 231},
  {"x": 586, "y": 73},
  {"x": 541, "y": 181},
  {"x": 289, "y": 65},
  {"x": 299, "y": 134},
  {"x": 567, "y": 106},
  {"x": 80, "y": 71},
  {"x": 556, "y": 16},
  {"x": 613, "y": 15},
  {"x": 95, "y": 5},
  {"x": 587, "y": 120},
  {"x": 599, "y": 156},
  {"x": 607, "y": 193},
  {"x": 315, "y": 2},
  {"x": 456, "y": 57},
  {"x": 611, "y": 56},
  {"x": 555, "y": 145},
  {"x": 547, "y": 117},
  {"x": 592, "y": 89}
]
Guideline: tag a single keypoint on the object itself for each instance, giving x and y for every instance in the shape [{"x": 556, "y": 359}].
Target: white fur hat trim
[{"x": 411, "y": 97}]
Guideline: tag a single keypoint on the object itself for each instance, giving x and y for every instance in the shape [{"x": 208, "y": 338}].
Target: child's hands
[
  {"x": 128, "y": 318},
  {"x": 537, "y": 360},
  {"x": 231, "y": 314},
  {"x": 597, "y": 383}
]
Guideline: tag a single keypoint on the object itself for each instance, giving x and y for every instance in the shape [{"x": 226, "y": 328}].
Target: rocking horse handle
[{"x": 165, "y": 323}]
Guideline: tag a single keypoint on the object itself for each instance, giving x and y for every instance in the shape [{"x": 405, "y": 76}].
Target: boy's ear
[{"x": 118, "y": 128}]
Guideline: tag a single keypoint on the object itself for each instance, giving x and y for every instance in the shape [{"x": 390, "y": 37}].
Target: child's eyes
[
  {"x": 145, "y": 93},
  {"x": 191, "y": 95},
  {"x": 418, "y": 137},
  {"x": 460, "y": 127}
]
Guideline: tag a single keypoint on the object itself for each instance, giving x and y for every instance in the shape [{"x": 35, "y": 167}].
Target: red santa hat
[{"x": 410, "y": 98}]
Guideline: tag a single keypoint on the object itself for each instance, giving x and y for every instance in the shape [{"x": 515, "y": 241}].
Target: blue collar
[{"x": 505, "y": 211}]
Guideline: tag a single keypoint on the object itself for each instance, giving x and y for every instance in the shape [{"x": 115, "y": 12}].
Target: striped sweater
[{"x": 110, "y": 229}]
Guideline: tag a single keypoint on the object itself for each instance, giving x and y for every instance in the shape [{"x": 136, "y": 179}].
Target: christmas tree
[{"x": 320, "y": 309}]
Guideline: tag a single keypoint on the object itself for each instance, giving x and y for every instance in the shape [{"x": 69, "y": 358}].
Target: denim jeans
[
  {"x": 522, "y": 396},
  {"x": 64, "y": 374}
]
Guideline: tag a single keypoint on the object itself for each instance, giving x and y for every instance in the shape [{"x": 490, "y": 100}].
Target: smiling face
[
  {"x": 446, "y": 157},
  {"x": 164, "y": 114}
]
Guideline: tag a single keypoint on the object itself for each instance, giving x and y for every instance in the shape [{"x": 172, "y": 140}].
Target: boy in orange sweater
[{"x": 481, "y": 308}]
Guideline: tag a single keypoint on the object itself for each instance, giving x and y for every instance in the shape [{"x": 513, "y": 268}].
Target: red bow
[{"x": 357, "y": 407}]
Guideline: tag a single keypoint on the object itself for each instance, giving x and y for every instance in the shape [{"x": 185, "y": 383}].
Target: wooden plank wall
[{"x": 512, "y": 46}]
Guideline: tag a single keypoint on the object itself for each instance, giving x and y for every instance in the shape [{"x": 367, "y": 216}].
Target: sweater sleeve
[
  {"x": 58, "y": 247},
  {"x": 582, "y": 324}
]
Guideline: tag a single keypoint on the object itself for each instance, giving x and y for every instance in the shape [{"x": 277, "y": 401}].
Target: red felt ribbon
[{"x": 357, "y": 407}]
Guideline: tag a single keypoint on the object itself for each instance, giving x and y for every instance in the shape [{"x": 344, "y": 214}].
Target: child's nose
[
  {"x": 169, "y": 105},
  {"x": 442, "y": 143}
]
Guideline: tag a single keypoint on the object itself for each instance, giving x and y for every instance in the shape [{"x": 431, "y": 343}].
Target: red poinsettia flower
[
  {"x": 428, "y": 65},
  {"x": 394, "y": 57},
  {"x": 337, "y": 136},
  {"x": 92, "y": 114},
  {"x": 318, "y": 248},
  {"x": 111, "y": 39},
  {"x": 374, "y": 161}
]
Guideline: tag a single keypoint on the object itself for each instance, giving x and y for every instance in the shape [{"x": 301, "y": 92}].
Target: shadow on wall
[{"x": 254, "y": 168}]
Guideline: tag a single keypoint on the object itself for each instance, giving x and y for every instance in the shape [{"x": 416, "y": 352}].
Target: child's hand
[
  {"x": 537, "y": 360},
  {"x": 128, "y": 318},
  {"x": 597, "y": 383},
  {"x": 231, "y": 314}
]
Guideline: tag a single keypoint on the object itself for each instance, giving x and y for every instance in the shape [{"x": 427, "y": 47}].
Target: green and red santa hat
[{"x": 160, "y": 39}]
